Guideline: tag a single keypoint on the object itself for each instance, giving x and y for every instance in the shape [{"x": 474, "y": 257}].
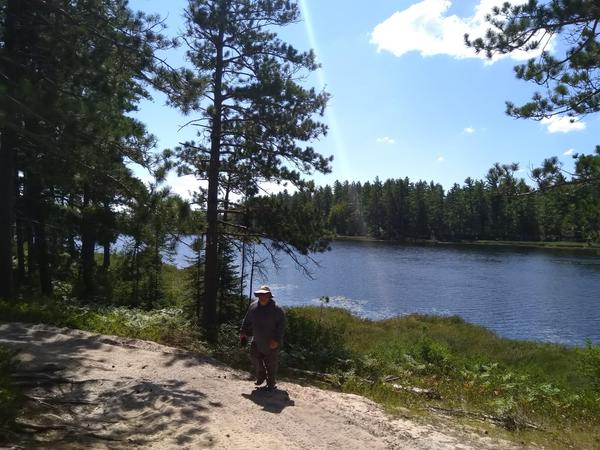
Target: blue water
[{"x": 519, "y": 293}]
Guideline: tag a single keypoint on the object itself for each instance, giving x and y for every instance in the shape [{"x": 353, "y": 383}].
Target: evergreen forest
[{"x": 502, "y": 206}]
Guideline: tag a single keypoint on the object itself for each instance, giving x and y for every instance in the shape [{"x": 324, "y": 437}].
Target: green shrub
[
  {"x": 314, "y": 345},
  {"x": 590, "y": 364},
  {"x": 434, "y": 355},
  {"x": 228, "y": 347},
  {"x": 167, "y": 325}
]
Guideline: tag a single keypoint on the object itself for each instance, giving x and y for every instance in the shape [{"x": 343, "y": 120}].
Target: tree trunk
[
  {"x": 157, "y": 263},
  {"x": 20, "y": 253},
  {"x": 251, "y": 276},
  {"x": 30, "y": 247},
  {"x": 106, "y": 259},
  {"x": 8, "y": 142},
  {"x": 7, "y": 209},
  {"x": 41, "y": 247},
  {"x": 136, "y": 274},
  {"x": 106, "y": 239},
  {"x": 242, "y": 271},
  {"x": 88, "y": 246},
  {"x": 38, "y": 214},
  {"x": 209, "y": 316},
  {"x": 222, "y": 263}
]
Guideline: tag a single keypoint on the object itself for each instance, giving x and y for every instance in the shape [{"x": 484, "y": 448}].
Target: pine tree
[
  {"x": 73, "y": 70},
  {"x": 251, "y": 109}
]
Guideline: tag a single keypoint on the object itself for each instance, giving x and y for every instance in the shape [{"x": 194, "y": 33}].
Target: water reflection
[
  {"x": 522, "y": 294},
  {"x": 519, "y": 293}
]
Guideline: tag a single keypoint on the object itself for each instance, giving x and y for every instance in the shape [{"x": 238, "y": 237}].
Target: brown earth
[{"x": 91, "y": 391}]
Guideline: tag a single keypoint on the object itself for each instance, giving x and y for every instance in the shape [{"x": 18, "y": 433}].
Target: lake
[{"x": 541, "y": 295}]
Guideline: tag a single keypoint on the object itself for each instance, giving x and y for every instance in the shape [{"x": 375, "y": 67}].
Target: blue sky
[{"x": 408, "y": 99}]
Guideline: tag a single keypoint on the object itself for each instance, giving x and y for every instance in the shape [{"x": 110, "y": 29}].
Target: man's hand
[{"x": 273, "y": 344}]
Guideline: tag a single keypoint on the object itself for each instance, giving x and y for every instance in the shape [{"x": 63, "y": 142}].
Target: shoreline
[{"x": 541, "y": 245}]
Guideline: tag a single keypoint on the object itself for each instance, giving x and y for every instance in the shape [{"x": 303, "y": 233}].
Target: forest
[
  {"x": 73, "y": 74},
  {"x": 501, "y": 206}
]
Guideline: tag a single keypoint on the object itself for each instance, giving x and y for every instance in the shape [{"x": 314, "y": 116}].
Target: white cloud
[
  {"x": 426, "y": 27},
  {"x": 271, "y": 187},
  {"x": 469, "y": 130},
  {"x": 185, "y": 185},
  {"x": 440, "y": 159},
  {"x": 386, "y": 140},
  {"x": 562, "y": 124},
  {"x": 569, "y": 152}
]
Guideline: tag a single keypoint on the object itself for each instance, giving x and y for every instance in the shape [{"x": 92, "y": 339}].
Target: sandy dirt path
[{"x": 91, "y": 391}]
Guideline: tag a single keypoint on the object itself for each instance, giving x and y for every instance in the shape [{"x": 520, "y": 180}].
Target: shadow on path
[
  {"x": 75, "y": 400},
  {"x": 271, "y": 401}
]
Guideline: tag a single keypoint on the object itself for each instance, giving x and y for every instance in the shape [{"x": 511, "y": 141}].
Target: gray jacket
[{"x": 264, "y": 323}]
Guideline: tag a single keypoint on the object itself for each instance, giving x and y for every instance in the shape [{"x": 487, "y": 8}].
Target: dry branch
[{"x": 509, "y": 422}]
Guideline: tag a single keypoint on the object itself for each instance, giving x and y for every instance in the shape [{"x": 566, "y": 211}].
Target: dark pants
[{"x": 265, "y": 364}]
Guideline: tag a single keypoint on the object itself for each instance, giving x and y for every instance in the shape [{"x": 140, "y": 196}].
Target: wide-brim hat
[{"x": 264, "y": 289}]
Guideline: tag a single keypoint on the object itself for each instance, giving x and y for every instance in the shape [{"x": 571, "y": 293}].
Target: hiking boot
[{"x": 271, "y": 387}]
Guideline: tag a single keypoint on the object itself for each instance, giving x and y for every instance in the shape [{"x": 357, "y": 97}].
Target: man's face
[{"x": 264, "y": 298}]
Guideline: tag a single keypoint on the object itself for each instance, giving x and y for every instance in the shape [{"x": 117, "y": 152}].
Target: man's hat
[{"x": 264, "y": 289}]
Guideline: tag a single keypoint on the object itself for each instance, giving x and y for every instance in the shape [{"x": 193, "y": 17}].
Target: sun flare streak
[{"x": 334, "y": 130}]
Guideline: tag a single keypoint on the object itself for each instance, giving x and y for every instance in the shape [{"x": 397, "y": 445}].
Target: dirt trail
[{"x": 90, "y": 391}]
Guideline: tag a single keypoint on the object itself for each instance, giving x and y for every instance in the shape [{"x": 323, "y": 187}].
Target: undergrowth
[{"x": 462, "y": 367}]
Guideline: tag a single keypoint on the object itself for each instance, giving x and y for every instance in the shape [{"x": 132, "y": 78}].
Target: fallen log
[
  {"x": 310, "y": 373},
  {"x": 509, "y": 422},
  {"x": 429, "y": 393}
]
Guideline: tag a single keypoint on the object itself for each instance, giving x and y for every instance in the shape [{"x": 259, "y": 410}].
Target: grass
[
  {"x": 470, "y": 368},
  {"x": 554, "y": 387},
  {"x": 166, "y": 325}
]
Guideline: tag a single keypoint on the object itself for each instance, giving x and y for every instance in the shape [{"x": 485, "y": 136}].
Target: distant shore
[{"x": 583, "y": 247}]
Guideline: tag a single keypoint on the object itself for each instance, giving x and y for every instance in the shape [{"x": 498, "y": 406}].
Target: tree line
[{"x": 500, "y": 206}]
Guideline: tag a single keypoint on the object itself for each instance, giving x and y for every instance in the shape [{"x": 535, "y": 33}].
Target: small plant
[
  {"x": 228, "y": 347},
  {"x": 324, "y": 301},
  {"x": 590, "y": 364},
  {"x": 434, "y": 355}
]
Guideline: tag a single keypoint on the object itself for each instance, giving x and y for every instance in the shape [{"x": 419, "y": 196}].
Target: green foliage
[
  {"x": 434, "y": 355},
  {"x": 590, "y": 364},
  {"x": 314, "y": 345},
  {"x": 569, "y": 79},
  {"x": 468, "y": 366},
  {"x": 228, "y": 348},
  {"x": 75, "y": 71},
  {"x": 167, "y": 325}
]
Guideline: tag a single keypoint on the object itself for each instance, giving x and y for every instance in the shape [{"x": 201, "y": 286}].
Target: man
[{"x": 265, "y": 321}]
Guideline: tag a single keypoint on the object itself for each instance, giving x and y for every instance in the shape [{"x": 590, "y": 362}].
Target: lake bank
[{"x": 582, "y": 247}]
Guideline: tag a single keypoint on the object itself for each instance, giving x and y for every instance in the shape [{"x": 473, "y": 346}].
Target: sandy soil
[{"x": 90, "y": 391}]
